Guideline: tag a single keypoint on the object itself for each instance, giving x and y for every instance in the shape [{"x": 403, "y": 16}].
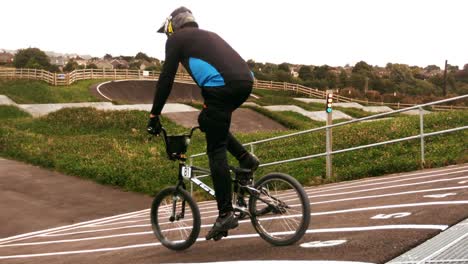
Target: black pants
[{"x": 215, "y": 120}]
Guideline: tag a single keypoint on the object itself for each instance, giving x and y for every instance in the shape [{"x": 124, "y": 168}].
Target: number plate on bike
[{"x": 186, "y": 172}]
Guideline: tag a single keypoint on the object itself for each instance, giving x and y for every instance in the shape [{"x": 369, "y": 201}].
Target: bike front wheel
[
  {"x": 280, "y": 211},
  {"x": 175, "y": 218}
]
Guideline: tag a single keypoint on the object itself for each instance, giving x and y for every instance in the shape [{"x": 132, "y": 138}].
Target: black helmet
[{"x": 176, "y": 20}]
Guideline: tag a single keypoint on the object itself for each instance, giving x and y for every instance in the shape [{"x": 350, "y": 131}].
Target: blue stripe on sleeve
[{"x": 205, "y": 74}]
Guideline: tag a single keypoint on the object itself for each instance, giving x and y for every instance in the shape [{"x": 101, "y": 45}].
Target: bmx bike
[{"x": 278, "y": 206}]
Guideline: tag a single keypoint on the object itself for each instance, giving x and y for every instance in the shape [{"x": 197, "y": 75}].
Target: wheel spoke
[
  {"x": 279, "y": 217},
  {"x": 179, "y": 233}
]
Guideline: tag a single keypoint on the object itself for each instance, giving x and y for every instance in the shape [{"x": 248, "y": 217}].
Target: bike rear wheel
[
  {"x": 175, "y": 218},
  {"x": 280, "y": 212}
]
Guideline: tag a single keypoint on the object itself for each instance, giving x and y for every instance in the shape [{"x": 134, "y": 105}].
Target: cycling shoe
[{"x": 222, "y": 225}]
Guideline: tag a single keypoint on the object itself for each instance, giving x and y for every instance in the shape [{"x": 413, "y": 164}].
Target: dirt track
[{"x": 369, "y": 220}]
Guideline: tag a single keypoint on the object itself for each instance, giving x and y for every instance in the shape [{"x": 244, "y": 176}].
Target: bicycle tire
[
  {"x": 187, "y": 229},
  {"x": 280, "y": 232}
]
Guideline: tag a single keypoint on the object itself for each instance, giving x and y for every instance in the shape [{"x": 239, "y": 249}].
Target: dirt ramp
[
  {"x": 142, "y": 92},
  {"x": 243, "y": 120}
]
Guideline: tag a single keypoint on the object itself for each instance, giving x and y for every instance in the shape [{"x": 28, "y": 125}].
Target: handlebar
[
  {"x": 164, "y": 132},
  {"x": 176, "y": 145}
]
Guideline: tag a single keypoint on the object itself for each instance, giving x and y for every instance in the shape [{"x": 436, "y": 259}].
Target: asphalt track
[
  {"x": 142, "y": 92},
  {"x": 370, "y": 220}
]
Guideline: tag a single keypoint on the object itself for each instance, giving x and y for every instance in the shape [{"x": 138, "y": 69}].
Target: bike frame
[{"x": 188, "y": 173}]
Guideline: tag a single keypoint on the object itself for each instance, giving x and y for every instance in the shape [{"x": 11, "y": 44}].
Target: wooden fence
[
  {"x": 83, "y": 74},
  {"x": 125, "y": 74}
]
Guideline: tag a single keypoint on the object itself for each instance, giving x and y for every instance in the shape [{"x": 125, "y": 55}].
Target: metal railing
[{"x": 421, "y": 135}]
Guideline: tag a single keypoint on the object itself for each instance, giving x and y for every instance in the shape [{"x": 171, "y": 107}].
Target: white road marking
[
  {"x": 310, "y": 231},
  {"x": 92, "y": 231},
  {"x": 317, "y": 244},
  {"x": 58, "y": 229},
  {"x": 99, "y": 91},
  {"x": 391, "y": 207},
  {"x": 388, "y": 216},
  {"x": 401, "y": 180},
  {"x": 388, "y": 187},
  {"x": 442, "y": 195},
  {"x": 286, "y": 262},
  {"x": 75, "y": 240},
  {"x": 130, "y": 215},
  {"x": 462, "y": 182},
  {"x": 340, "y": 186},
  {"x": 373, "y": 208},
  {"x": 383, "y": 207},
  {"x": 363, "y": 197},
  {"x": 119, "y": 223},
  {"x": 360, "y": 182},
  {"x": 144, "y": 213},
  {"x": 390, "y": 194}
]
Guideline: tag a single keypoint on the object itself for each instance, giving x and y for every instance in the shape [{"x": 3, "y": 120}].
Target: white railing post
[{"x": 421, "y": 128}]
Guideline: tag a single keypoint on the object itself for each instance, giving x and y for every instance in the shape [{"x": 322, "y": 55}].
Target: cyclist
[{"x": 226, "y": 82}]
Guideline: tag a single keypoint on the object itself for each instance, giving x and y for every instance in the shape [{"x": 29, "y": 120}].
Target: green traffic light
[{"x": 329, "y": 110}]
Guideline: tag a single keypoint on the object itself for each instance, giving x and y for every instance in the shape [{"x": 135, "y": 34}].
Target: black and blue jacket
[{"x": 207, "y": 57}]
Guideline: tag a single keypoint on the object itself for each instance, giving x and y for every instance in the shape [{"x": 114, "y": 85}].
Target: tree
[
  {"x": 400, "y": 73},
  {"x": 462, "y": 75},
  {"x": 135, "y": 65},
  {"x": 92, "y": 66},
  {"x": 251, "y": 63},
  {"x": 31, "y": 58},
  {"x": 126, "y": 58},
  {"x": 108, "y": 57},
  {"x": 430, "y": 68},
  {"x": 343, "y": 79},
  {"x": 142, "y": 56},
  {"x": 358, "y": 81},
  {"x": 363, "y": 68},
  {"x": 283, "y": 76},
  {"x": 71, "y": 66},
  {"x": 321, "y": 72},
  {"x": 153, "y": 68},
  {"x": 305, "y": 73},
  {"x": 452, "y": 68},
  {"x": 417, "y": 72},
  {"x": 284, "y": 67}
]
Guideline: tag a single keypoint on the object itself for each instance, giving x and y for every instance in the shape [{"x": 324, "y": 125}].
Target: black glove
[{"x": 154, "y": 126}]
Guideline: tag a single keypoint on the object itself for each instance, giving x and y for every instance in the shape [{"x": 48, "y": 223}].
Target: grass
[
  {"x": 287, "y": 98},
  {"x": 11, "y": 112},
  {"x": 282, "y": 98},
  {"x": 288, "y": 119},
  {"x": 113, "y": 147},
  {"x": 38, "y": 92}
]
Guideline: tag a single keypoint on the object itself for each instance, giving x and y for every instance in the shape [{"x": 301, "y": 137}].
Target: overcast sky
[{"x": 314, "y": 32}]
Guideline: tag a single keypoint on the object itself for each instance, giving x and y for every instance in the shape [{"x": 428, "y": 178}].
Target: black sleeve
[{"x": 166, "y": 79}]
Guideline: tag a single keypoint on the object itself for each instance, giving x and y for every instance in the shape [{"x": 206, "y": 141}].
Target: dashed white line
[
  {"x": 62, "y": 228},
  {"x": 382, "y": 180},
  {"x": 310, "y": 231},
  {"x": 289, "y": 216}
]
